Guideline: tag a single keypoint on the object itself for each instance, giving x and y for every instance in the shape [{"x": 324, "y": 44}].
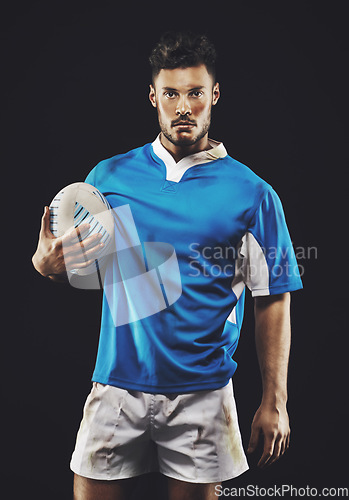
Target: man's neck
[{"x": 179, "y": 152}]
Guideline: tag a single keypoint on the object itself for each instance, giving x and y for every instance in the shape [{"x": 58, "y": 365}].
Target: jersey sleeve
[{"x": 268, "y": 260}]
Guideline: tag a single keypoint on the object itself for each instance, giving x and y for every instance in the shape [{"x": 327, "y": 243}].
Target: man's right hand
[{"x": 49, "y": 259}]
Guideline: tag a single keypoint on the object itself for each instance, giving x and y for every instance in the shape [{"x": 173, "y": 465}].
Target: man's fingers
[
  {"x": 285, "y": 444},
  {"x": 83, "y": 253},
  {"x": 83, "y": 259},
  {"x": 92, "y": 242},
  {"x": 252, "y": 445},
  {"x": 79, "y": 249},
  {"x": 75, "y": 234},
  {"x": 76, "y": 246},
  {"x": 279, "y": 448},
  {"x": 80, "y": 265},
  {"x": 45, "y": 224},
  {"x": 269, "y": 443}
]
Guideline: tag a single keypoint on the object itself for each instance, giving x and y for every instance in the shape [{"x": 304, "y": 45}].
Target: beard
[{"x": 182, "y": 139}]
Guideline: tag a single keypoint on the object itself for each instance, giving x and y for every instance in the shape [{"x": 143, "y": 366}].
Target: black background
[{"x": 75, "y": 84}]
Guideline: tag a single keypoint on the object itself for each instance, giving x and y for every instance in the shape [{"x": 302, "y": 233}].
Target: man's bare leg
[
  {"x": 91, "y": 489},
  {"x": 181, "y": 490}
]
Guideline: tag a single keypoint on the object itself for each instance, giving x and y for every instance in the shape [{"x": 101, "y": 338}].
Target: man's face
[{"x": 183, "y": 98}]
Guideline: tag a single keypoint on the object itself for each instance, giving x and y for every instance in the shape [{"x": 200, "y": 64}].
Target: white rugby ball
[{"x": 80, "y": 203}]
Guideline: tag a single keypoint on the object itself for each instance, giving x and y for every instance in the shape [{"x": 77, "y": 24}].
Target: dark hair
[{"x": 182, "y": 50}]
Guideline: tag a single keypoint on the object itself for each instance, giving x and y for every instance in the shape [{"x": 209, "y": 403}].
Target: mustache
[{"x": 182, "y": 120}]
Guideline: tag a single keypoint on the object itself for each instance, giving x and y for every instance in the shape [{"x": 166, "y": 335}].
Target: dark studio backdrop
[{"x": 75, "y": 91}]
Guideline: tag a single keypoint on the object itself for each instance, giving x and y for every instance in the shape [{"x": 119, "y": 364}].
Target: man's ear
[
  {"x": 152, "y": 95},
  {"x": 216, "y": 94}
]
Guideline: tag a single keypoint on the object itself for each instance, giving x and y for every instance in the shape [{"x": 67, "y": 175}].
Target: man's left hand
[{"x": 273, "y": 423}]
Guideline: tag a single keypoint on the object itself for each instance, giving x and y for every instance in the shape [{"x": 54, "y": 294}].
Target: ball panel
[{"x": 62, "y": 209}]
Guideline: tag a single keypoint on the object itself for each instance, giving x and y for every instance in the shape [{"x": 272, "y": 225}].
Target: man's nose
[{"x": 183, "y": 106}]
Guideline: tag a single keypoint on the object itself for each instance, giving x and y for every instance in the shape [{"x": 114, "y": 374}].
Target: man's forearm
[{"x": 273, "y": 339}]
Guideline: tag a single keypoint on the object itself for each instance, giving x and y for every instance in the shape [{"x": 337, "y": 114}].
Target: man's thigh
[
  {"x": 181, "y": 490},
  {"x": 92, "y": 489}
]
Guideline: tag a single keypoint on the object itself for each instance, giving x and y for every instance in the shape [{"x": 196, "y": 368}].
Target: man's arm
[
  {"x": 53, "y": 254},
  {"x": 273, "y": 339}
]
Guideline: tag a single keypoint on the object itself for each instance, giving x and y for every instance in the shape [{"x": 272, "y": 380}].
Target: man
[{"x": 162, "y": 395}]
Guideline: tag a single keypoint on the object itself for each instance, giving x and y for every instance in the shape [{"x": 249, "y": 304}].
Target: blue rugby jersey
[{"x": 228, "y": 230}]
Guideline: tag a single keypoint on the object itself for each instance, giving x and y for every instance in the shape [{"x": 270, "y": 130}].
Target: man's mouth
[{"x": 183, "y": 124}]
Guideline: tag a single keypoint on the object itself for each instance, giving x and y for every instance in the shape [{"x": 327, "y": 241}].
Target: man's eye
[
  {"x": 196, "y": 93},
  {"x": 170, "y": 94}
]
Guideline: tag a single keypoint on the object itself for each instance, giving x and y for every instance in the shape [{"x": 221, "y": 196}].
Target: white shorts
[{"x": 192, "y": 437}]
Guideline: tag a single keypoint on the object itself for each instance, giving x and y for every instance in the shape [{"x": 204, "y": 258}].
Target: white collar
[{"x": 175, "y": 171}]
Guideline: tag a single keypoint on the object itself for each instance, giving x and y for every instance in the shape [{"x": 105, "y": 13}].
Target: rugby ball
[{"x": 80, "y": 203}]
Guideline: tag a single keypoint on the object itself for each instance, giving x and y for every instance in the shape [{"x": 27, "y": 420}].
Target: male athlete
[{"x": 162, "y": 396}]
